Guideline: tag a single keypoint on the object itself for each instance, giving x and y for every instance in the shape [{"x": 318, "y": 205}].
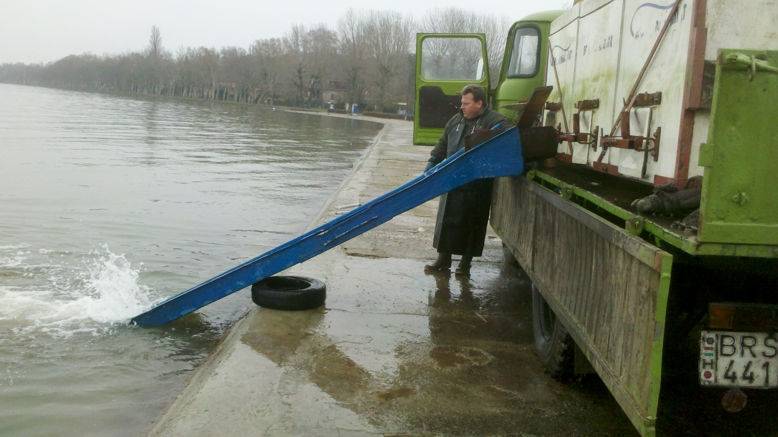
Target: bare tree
[
  {"x": 369, "y": 54},
  {"x": 154, "y": 49},
  {"x": 454, "y": 20},
  {"x": 351, "y": 30},
  {"x": 266, "y": 57},
  {"x": 321, "y": 52},
  {"x": 294, "y": 46},
  {"x": 388, "y": 38}
]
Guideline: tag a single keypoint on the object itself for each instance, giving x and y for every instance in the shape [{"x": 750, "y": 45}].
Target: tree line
[{"x": 367, "y": 58}]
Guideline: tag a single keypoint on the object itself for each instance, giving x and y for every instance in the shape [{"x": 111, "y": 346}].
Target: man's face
[{"x": 470, "y": 107}]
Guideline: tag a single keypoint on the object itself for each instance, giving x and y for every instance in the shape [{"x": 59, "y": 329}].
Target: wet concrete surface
[{"x": 394, "y": 351}]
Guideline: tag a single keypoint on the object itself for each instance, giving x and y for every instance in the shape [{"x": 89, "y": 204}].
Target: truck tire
[
  {"x": 290, "y": 293},
  {"x": 553, "y": 344}
]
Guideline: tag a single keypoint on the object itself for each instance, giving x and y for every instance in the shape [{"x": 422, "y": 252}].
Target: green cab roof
[{"x": 548, "y": 16}]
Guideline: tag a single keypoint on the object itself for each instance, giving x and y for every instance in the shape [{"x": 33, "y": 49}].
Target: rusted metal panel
[
  {"x": 534, "y": 107},
  {"x": 607, "y": 287},
  {"x": 539, "y": 142},
  {"x": 693, "y": 93}
]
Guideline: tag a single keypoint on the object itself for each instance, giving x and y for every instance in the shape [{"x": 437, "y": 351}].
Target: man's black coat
[{"x": 463, "y": 213}]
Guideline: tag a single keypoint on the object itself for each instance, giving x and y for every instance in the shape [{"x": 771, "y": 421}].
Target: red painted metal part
[
  {"x": 606, "y": 168},
  {"x": 692, "y": 98}
]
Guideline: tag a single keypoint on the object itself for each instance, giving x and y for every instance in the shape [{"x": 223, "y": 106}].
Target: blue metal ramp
[{"x": 499, "y": 156}]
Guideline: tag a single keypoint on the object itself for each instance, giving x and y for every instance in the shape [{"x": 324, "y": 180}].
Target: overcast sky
[{"x": 42, "y": 31}]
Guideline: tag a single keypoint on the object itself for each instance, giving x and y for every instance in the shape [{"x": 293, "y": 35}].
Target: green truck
[{"x": 652, "y": 239}]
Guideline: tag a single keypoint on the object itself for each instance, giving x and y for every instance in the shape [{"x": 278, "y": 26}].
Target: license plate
[{"x": 739, "y": 359}]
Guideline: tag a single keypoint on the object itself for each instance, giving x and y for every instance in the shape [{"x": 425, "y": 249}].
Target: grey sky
[{"x": 42, "y": 31}]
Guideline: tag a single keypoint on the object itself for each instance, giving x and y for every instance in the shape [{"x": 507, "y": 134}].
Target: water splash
[
  {"x": 114, "y": 294},
  {"x": 103, "y": 291}
]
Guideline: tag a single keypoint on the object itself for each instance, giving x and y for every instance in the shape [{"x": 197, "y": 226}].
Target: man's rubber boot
[
  {"x": 441, "y": 264},
  {"x": 463, "y": 269}
]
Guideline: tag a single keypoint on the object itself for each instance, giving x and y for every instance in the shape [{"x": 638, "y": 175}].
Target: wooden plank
[
  {"x": 602, "y": 282},
  {"x": 633, "y": 246},
  {"x": 516, "y": 224}
]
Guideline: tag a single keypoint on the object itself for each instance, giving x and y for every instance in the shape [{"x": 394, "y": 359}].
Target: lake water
[{"x": 109, "y": 204}]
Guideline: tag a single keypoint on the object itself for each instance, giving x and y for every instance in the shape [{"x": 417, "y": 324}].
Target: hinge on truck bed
[
  {"x": 588, "y": 138},
  {"x": 645, "y": 100},
  {"x": 648, "y": 144}
]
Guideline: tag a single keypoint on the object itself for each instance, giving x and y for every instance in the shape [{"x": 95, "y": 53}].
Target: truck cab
[
  {"x": 445, "y": 63},
  {"x": 524, "y": 63}
]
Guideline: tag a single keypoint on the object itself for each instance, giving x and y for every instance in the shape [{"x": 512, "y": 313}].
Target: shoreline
[
  {"x": 200, "y": 375},
  {"x": 153, "y": 97},
  {"x": 325, "y": 371}
]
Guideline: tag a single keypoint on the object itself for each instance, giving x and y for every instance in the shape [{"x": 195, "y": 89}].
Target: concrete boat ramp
[{"x": 395, "y": 351}]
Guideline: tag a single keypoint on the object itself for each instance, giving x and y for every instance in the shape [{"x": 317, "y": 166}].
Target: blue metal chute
[{"x": 499, "y": 156}]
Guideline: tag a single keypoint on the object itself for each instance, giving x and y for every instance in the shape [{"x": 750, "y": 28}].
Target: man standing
[{"x": 463, "y": 213}]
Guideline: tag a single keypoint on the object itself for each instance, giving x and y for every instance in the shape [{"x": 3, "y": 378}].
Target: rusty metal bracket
[
  {"x": 588, "y": 138},
  {"x": 640, "y": 144},
  {"x": 632, "y": 142},
  {"x": 577, "y": 136},
  {"x": 645, "y": 100},
  {"x": 587, "y": 105}
]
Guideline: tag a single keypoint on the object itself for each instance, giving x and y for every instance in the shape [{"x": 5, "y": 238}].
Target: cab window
[
  {"x": 452, "y": 59},
  {"x": 525, "y": 56}
]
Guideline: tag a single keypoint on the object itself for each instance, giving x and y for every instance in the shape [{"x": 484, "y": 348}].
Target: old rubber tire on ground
[
  {"x": 553, "y": 344},
  {"x": 289, "y": 293}
]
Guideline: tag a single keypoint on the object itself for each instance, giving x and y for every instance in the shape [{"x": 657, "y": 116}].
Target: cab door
[
  {"x": 523, "y": 65},
  {"x": 445, "y": 63}
]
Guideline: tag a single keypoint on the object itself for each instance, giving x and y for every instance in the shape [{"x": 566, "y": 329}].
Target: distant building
[{"x": 335, "y": 92}]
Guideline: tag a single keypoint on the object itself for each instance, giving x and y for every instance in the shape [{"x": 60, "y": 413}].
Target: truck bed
[
  {"x": 616, "y": 190},
  {"x": 614, "y": 194}
]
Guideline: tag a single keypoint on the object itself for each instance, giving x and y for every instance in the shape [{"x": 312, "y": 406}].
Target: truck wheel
[
  {"x": 553, "y": 344},
  {"x": 289, "y": 293}
]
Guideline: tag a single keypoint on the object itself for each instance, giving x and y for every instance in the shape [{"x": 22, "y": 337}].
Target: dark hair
[{"x": 479, "y": 95}]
